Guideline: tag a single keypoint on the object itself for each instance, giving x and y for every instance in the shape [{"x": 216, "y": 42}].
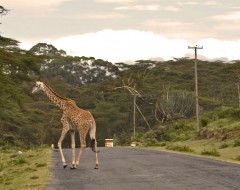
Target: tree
[
  {"x": 3, "y": 11},
  {"x": 174, "y": 105}
]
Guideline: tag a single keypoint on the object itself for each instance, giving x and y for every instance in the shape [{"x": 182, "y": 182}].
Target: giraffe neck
[{"x": 54, "y": 97}]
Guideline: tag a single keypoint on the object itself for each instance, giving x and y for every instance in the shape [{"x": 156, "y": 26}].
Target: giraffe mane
[{"x": 61, "y": 97}]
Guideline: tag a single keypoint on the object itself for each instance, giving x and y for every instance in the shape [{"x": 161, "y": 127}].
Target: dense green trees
[{"x": 166, "y": 90}]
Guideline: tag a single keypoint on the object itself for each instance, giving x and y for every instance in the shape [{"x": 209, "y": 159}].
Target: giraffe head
[{"x": 39, "y": 86}]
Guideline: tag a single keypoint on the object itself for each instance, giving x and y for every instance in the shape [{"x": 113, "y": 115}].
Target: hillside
[{"x": 166, "y": 88}]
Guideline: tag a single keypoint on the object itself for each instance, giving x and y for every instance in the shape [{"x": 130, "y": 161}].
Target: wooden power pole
[
  {"x": 196, "y": 85},
  {"x": 135, "y": 94},
  {"x": 238, "y": 96},
  {"x": 134, "y": 115}
]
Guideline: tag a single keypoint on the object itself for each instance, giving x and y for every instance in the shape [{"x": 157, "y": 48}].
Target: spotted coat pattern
[{"x": 74, "y": 118}]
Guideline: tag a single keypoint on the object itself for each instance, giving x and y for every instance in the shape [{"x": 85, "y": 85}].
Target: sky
[{"x": 127, "y": 30}]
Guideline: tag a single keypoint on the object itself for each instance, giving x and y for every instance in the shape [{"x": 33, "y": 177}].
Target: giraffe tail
[
  {"x": 93, "y": 137},
  {"x": 93, "y": 141}
]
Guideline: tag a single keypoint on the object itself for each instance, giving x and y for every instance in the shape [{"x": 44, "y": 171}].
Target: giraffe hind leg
[
  {"x": 82, "y": 136},
  {"x": 73, "y": 149},
  {"x": 96, "y": 154}
]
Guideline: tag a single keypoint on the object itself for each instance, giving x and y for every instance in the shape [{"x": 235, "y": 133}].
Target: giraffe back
[{"x": 77, "y": 116}]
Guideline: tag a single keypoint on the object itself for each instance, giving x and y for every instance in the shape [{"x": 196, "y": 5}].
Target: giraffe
[{"x": 73, "y": 118}]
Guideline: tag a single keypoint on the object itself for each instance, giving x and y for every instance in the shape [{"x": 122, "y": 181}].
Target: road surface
[{"x": 124, "y": 168}]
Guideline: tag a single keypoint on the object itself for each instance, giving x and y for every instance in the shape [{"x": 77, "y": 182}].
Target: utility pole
[
  {"x": 135, "y": 94},
  {"x": 238, "y": 96},
  {"x": 196, "y": 85},
  {"x": 134, "y": 115}
]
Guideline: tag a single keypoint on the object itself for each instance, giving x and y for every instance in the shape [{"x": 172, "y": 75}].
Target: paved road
[{"x": 138, "y": 169}]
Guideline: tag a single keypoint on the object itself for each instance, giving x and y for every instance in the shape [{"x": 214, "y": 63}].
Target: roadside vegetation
[
  {"x": 218, "y": 137},
  {"x": 26, "y": 169}
]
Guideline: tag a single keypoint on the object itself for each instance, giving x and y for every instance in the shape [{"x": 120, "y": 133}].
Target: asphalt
[{"x": 123, "y": 168}]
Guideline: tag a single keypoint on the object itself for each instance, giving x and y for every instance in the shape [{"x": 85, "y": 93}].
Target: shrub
[
  {"x": 30, "y": 170},
  {"x": 204, "y": 121},
  {"x": 224, "y": 145},
  {"x": 40, "y": 164},
  {"x": 150, "y": 142},
  {"x": 236, "y": 143},
  {"x": 231, "y": 112},
  {"x": 1, "y": 179},
  {"x": 18, "y": 161},
  {"x": 160, "y": 134},
  {"x": 238, "y": 158},
  {"x": 180, "y": 148},
  {"x": 162, "y": 144},
  {"x": 1, "y": 167},
  {"x": 213, "y": 152},
  {"x": 34, "y": 177}
]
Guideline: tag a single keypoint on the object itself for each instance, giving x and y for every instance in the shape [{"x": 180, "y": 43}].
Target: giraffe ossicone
[{"x": 73, "y": 118}]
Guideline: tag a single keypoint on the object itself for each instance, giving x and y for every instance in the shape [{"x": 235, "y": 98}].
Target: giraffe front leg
[
  {"x": 73, "y": 149},
  {"x": 64, "y": 132}
]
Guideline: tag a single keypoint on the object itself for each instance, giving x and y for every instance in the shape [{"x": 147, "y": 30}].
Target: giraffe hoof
[
  {"x": 73, "y": 168},
  {"x": 64, "y": 166},
  {"x": 96, "y": 167}
]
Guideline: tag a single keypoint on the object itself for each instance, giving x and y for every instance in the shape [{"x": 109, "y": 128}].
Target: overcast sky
[{"x": 121, "y": 30}]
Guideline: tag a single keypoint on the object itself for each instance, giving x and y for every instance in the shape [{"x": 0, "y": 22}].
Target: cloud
[
  {"x": 147, "y": 8},
  {"x": 125, "y": 45},
  {"x": 183, "y": 3},
  {"x": 139, "y": 8},
  {"x": 174, "y": 29},
  {"x": 160, "y": 23},
  {"x": 231, "y": 16},
  {"x": 116, "y": 1},
  {"x": 99, "y": 16},
  {"x": 214, "y": 48},
  {"x": 26, "y": 4},
  {"x": 171, "y": 8},
  {"x": 122, "y": 45},
  {"x": 212, "y": 3}
]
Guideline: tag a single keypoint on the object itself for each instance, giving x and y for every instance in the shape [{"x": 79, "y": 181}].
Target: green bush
[
  {"x": 18, "y": 161},
  {"x": 30, "y": 169},
  {"x": 204, "y": 121},
  {"x": 160, "y": 134},
  {"x": 1, "y": 180},
  {"x": 224, "y": 145},
  {"x": 213, "y": 152},
  {"x": 41, "y": 165},
  {"x": 1, "y": 166},
  {"x": 162, "y": 144},
  {"x": 231, "y": 112},
  {"x": 238, "y": 158},
  {"x": 236, "y": 143},
  {"x": 180, "y": 148},
  {"x": 34, "y": 177},
  {"x": 181, "y": 130}
]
